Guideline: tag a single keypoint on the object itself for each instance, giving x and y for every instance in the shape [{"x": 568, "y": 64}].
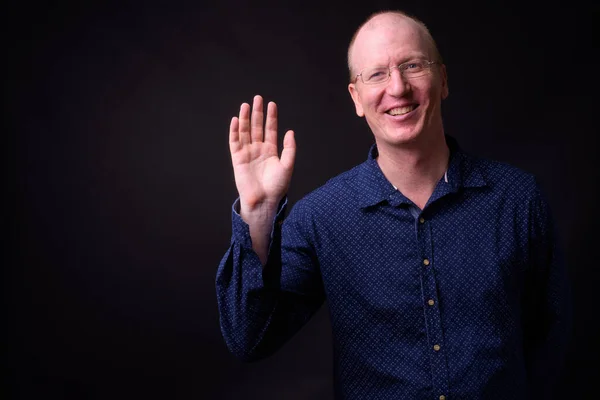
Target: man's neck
[{"x": 415, "y": 169}]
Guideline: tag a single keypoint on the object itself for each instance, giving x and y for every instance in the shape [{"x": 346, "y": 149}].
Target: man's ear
[
  {"x": 444, "y": 77},
  {"x": 356, "y": 99}
]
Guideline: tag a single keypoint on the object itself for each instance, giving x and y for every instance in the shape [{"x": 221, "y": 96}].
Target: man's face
[{"x": 417, "y": 102}]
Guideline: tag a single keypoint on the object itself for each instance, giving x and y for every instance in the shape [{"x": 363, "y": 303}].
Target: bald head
[{"x": 381, "y": 21}]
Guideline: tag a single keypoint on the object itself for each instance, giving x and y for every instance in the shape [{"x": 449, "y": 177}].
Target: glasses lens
[
  {"x": 410, "y": 69},
  {"x": 375, "y": 75},
  {"x": 413, "y": 69}
]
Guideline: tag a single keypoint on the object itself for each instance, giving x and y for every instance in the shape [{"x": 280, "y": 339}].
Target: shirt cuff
[{"x": 240, "y": 229}]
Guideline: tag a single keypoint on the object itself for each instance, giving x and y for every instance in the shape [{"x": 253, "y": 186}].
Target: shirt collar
[{"x": 374, "y": 188}]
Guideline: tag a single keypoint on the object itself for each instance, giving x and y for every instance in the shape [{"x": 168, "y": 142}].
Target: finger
[
  {"x": 234, "y": 135},
  {"x": 256, "y": 125},
  {"x": 271, "y": 124},
  {"x": 288, "y": 155},
  {"x": 244, "y": 124}
]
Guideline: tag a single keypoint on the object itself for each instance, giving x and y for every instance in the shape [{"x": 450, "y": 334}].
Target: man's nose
[{"x": 397, "y": 85}]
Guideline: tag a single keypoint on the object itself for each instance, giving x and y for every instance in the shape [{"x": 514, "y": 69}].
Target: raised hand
[{"x": 262, "y": 178}]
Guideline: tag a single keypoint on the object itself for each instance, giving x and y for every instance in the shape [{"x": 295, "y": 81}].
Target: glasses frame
[{"x": 428, "y": 65}]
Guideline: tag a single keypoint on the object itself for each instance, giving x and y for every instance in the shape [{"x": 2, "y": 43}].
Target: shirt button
[
  {"x": 426, "y": 261},
  {"x": 436, "y": 347},
  {"x": 431, "y": 302},
  {"x": 442, "y": 397},
  {"x": 421, "y": 220}
]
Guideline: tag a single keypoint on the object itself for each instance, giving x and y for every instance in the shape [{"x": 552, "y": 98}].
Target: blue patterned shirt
[{"x": 464, "y": 299}]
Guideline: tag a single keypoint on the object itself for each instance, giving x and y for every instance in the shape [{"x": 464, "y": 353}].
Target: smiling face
[{"x": 398, "y": 111}]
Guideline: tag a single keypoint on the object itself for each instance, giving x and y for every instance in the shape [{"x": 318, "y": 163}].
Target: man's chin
[{"x": 401, "y": 137}]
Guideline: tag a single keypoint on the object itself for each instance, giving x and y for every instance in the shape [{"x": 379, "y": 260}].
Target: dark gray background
[{"x": 119, "y": 114}]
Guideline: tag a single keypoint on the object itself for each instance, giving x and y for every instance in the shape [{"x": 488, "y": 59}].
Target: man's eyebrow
[
  {"x": 410, "y": 57},
  {"x": 414, "y": 56}
]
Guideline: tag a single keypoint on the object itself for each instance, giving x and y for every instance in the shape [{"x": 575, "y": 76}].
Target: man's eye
[
  {"x": 414, "y": 65},
  {"x": 377, "y": 74}
]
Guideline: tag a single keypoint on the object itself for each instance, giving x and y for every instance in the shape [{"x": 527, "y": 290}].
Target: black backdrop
[{"x": 123, "y": 183}]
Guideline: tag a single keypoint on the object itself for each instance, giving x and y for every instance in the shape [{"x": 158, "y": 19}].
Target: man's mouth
[{"x": 401, "y": 110}]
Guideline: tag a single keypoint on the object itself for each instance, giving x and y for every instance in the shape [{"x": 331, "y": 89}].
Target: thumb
[{"x": 288, "y": 154}]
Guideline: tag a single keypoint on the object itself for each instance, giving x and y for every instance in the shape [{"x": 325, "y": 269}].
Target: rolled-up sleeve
[{"x": 261, "y": 307}]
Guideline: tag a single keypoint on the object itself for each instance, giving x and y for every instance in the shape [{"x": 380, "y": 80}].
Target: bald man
[{"x": 440, "y": 269}]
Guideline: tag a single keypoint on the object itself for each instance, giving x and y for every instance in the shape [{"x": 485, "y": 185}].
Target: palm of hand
[{"x": 261, "y": 176}]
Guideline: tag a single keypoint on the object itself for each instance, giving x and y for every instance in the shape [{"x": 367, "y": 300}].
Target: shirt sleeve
[
  {"x": 547, "y": 317},
  {"x": 260, "y": 308}
]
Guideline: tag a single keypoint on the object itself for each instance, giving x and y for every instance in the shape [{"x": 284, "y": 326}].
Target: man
[{"x": 439, "y": 268}]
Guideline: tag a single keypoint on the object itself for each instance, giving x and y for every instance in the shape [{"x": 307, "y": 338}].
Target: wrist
[
  {"x": 259, "y": 207},
  {"x": 260, "y": 213}
]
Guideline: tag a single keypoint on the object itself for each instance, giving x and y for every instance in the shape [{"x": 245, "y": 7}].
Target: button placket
[{"x": 432, "y": 312}]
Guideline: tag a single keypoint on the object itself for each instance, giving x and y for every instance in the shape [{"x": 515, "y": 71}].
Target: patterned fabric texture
[{"x": 465, "y": 299}]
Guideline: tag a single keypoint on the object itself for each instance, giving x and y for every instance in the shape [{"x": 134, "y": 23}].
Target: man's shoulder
[
  {"x": 338, "y": 190},
  {"x": 501, "y": 175}
]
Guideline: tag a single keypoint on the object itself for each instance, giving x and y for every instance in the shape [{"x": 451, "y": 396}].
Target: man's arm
[
  {"x": 261, "y": 307},
  {"x": 262, "y": 178},
  {"x": 547, "y": 314},
  {"x": 266, "y": 290}
]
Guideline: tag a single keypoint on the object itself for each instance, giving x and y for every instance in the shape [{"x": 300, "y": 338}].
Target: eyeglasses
[{"x": 408, "y": 70}]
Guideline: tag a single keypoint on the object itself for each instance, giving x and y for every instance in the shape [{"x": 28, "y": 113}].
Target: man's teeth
[{"x": 401, "y": 110}]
